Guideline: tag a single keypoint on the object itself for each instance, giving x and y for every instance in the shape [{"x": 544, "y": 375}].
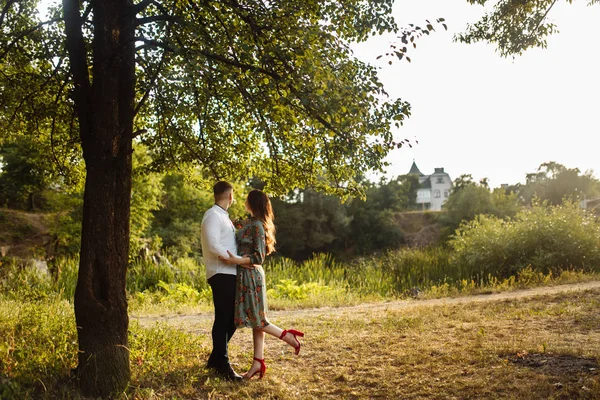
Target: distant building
[{"x": 434, "y": 189}]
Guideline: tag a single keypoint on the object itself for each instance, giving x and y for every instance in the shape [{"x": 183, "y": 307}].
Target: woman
[{"x": 256, "y": 239}]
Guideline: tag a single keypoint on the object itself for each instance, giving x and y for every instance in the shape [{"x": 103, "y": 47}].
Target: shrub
[{"x": 549, "y": 239}]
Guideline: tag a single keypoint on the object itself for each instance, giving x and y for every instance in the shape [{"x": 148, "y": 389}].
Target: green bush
[{"x": 549, "y": 239}]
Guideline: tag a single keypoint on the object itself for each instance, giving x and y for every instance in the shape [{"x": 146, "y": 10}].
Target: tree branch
[
  {"x": 255, "y": 28},
  {"x": 57, "y": 161},
  {"x": 78, "y": 61},
  {"x": 8, "y": 4},
  {"x": 34, "y": 92},
  {"x": 154, "y": 43},
  {"x": 261, "y": 118},
  {"x": 25, "y": 33},
  {"x": 543, "y": 18},
  {"x": 311, "y": 111},
  {"x": 152, "y": 81},
  {"x": 154, "y": 18},
  {"x": 138, "y": 133},
  {"x": 142, "y": 5}
]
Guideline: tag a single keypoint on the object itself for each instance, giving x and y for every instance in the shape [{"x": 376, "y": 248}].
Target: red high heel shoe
[
  {"x": 294, "y": 333},
  {"x": 261, "y": 372}
]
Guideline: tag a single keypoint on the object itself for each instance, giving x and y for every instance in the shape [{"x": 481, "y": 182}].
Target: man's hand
[
  {"x": 232, "y": 259},
  {"x": 241, "y": 261}
]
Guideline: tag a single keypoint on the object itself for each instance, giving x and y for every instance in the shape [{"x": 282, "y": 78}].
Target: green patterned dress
[{"x": 251, "y": 293}]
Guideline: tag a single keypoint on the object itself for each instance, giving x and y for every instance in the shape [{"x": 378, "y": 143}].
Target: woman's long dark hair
[{"x": 261, "y": 208}]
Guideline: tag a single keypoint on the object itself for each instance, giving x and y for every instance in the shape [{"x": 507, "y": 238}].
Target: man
[{"x": 218, "y": 236}]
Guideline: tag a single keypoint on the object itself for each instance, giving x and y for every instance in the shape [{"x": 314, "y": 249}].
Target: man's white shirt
[{"x": 218, "y": 236}]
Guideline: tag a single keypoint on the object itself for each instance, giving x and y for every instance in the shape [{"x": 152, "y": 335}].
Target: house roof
[
  {"x": 426, "y": 184},
  {"x": 414, "y": 170}
]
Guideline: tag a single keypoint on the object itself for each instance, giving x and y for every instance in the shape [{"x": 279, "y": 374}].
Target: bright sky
[{"x": 475, "y": 112}]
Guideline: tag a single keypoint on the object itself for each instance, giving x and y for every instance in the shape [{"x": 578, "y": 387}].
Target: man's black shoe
[{"x": 226, "y": 372}]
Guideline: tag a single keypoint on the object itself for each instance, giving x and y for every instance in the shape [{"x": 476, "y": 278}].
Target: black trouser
[{"x": 223, "y": 291}]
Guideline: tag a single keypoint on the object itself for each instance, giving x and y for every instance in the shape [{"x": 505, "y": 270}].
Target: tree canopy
[
  {"x": 514, "y": 25},
  {"x": 237, "y": 88},
  {"x": 554, "y": 182}
]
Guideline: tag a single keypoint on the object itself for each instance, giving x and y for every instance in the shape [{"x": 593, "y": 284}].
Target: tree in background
[
  {"x": 178, "y": 218},
  {"x": 234, "y": 88},
  {"x": 470, "y": 199},
  {"x": 146, "y": 193},
  {"x": 553, "y": 182},
  {"x": 23, "y": 176},
  {"x": 309, "y": 222},
  {"x": 373, "y": 225}
]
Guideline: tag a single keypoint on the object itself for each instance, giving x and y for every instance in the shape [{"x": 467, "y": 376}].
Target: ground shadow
[{"x": 572, "y": 376}]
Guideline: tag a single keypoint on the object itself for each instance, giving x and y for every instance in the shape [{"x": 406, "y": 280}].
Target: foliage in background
[
  {"x": 178, "y": 218},
  {"x": 470, "y": 199},
  {"x": 146, "y": 192},
  {"x": 167, "y": 211},
  {"x": 538, "y": 246},
  {"x": 553, "y": 183},
  {"x": 548, "y": 239},
  {"x": 309, "y": 222},
  {"x": 373, "y": 225},
  {"x": 24, "y": 174}
]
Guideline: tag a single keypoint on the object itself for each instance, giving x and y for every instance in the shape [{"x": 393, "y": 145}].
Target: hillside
[
  {"x": 25, "y": 235},
  {"x": 420, "y": 227}
]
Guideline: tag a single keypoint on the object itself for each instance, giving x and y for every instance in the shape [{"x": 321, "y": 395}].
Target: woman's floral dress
[{"x": 251, "y": 295}]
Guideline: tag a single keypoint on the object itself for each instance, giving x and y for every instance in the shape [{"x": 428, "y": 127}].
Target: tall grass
[
  {"x": 485, "y": 252},
  {"x": 387, "y": 275},
  {"x": 145, "y": 275},
  {"x": 38, "y": 346}
]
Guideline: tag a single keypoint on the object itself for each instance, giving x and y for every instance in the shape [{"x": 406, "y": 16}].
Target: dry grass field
[{"x": 536, "y": 344}]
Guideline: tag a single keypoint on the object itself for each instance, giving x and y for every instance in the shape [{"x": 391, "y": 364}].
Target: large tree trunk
[{"x": 105, "y": 110}]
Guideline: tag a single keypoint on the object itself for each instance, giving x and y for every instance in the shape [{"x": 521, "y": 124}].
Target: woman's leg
[
  {"x": 276, "y": 331},
  {"x": 258, "y": 337}
]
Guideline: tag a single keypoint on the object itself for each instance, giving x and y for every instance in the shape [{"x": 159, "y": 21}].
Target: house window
[
  {"x": 440, "y": 179},
  {"x": 446, "y": 193},
  {"x": 436, "y": 194}
]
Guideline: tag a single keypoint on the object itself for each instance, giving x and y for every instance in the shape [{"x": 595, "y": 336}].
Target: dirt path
[{"x": 201, "y": 322}]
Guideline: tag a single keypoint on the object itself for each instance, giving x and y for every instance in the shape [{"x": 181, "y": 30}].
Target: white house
[{"x": 434, "y": 189}]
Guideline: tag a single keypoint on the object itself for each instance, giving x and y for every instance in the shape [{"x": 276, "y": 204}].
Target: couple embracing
[{"x": 234, "y": 271}]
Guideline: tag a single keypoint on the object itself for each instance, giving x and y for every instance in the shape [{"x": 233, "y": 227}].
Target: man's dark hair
[{"x": 221, "y": 187}]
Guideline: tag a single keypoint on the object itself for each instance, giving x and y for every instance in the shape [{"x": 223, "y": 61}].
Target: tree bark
[{"x": 105, "y": 110}]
